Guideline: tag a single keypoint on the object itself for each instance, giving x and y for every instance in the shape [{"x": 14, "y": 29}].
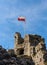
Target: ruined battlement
[{"x": 28, "y": 38}]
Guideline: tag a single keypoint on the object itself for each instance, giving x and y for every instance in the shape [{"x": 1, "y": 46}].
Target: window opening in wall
[
  {"x": 21, "y": 51},
  {"x": 37, "y": 50}
]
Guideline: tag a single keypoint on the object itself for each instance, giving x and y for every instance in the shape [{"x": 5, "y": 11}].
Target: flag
[{"x": 21, "y": 18}]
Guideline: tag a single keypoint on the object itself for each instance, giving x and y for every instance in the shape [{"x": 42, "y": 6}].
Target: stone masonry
[{"x": 31, "y": 45}]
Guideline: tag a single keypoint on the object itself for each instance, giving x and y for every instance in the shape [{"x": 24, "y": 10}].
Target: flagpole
[
  {"x": 24, "y": 27},
  {"x": 22, "y": 19}
]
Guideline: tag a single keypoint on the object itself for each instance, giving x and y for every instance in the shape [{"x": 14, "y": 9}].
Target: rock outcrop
[{"x": 7, "y": 58}]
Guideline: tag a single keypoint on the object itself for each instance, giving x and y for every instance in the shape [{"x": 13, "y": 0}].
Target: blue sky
[{"x": 35, "y": 12}]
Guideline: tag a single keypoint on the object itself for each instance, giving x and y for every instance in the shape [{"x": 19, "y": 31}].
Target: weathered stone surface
[{"x": 33, "y": 46}]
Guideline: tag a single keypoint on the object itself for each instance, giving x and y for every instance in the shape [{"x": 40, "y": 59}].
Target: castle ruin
[{"x": 31, "y": 45}]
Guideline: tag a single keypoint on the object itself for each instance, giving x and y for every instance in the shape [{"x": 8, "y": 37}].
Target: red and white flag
[{"x": 21, "y": 18}]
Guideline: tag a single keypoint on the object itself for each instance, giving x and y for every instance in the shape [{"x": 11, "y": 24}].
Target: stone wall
[{"x": 31, "y": 45}]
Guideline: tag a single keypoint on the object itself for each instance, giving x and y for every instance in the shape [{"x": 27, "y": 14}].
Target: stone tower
[{"x": 18, "y": 45}]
